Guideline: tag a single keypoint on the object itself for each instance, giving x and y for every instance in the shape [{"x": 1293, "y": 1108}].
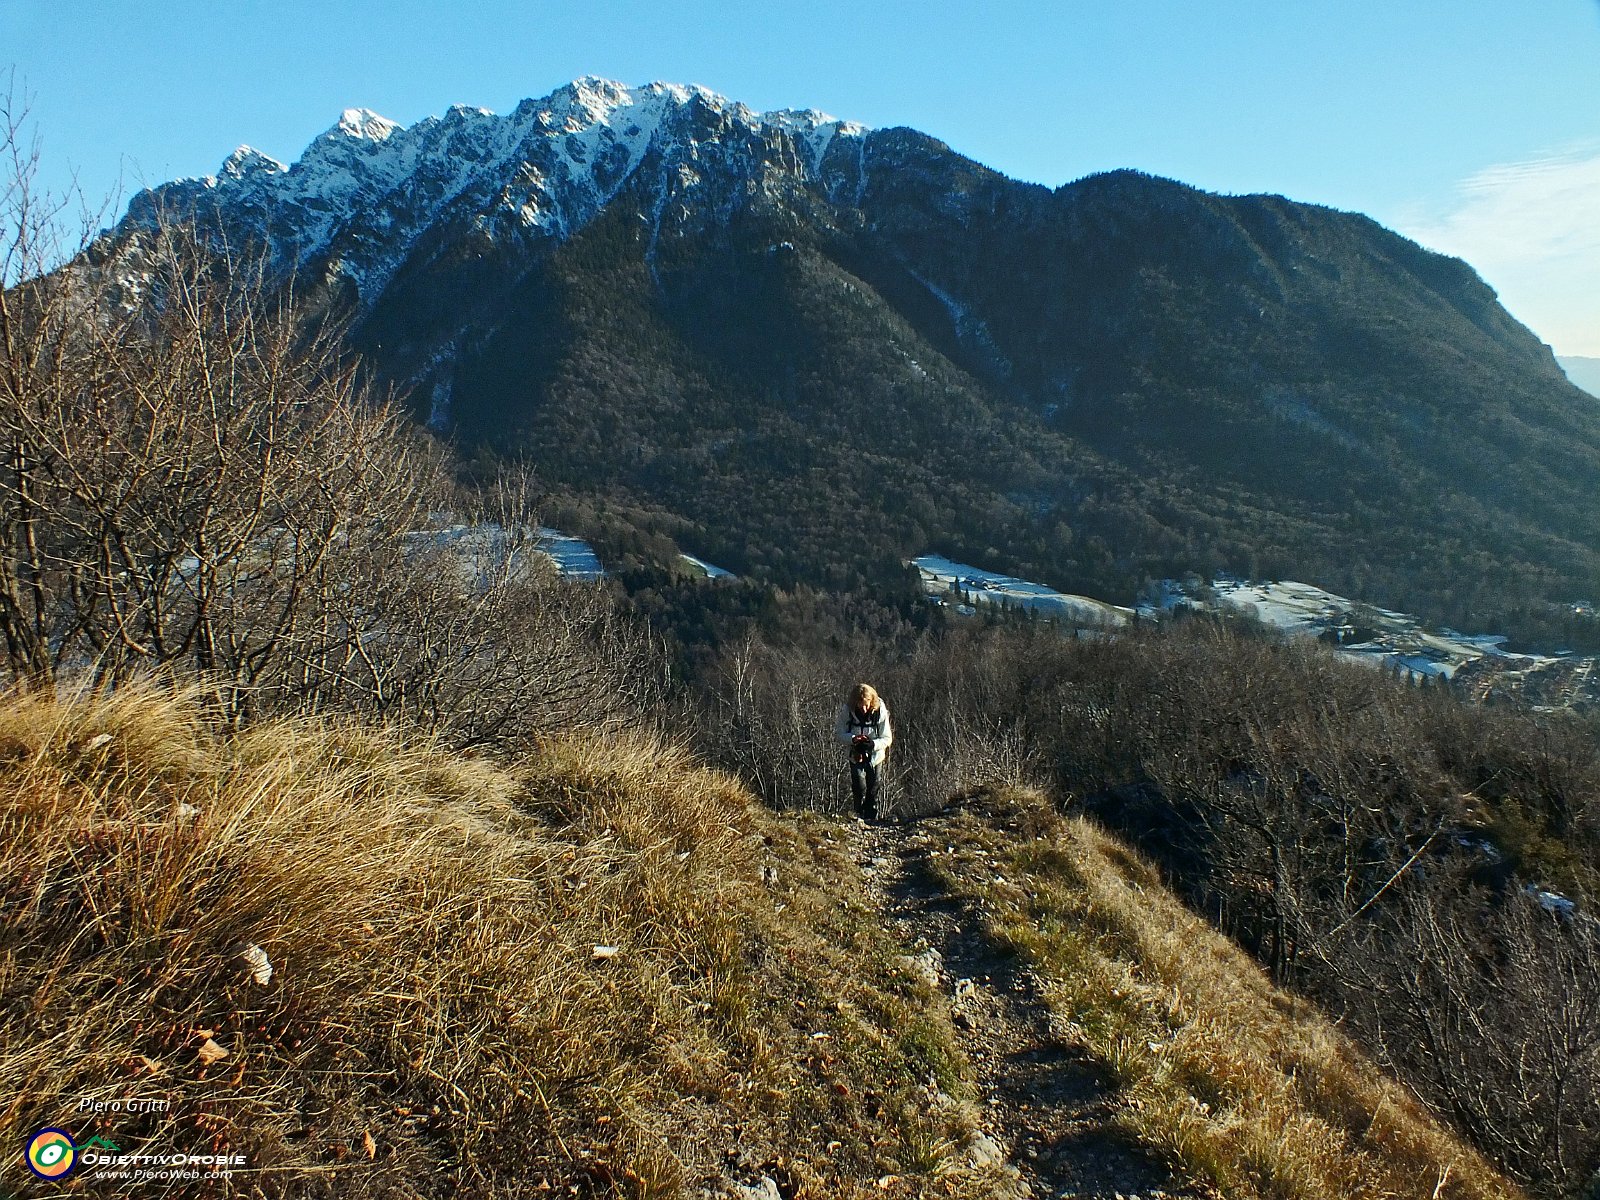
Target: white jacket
[{"x": 876, "y": 726}]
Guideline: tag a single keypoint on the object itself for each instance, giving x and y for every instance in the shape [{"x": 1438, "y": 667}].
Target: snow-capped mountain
[
  {"x": 364, "y": 194},
  {"x": 783, "y": 328}
]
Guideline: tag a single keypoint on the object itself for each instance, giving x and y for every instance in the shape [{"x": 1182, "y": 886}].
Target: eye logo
[{"x": 51, "y": 1154}]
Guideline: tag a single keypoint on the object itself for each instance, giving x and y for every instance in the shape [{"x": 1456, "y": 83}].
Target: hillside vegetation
[
  {"x": 439, "y": 1019},
  {"x": 1253, "y": 1090}
]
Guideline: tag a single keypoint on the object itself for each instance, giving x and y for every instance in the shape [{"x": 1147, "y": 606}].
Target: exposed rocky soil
[{"x": 1047, "y": 1110}]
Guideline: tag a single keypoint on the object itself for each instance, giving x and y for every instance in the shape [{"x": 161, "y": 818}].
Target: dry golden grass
[
  {"x": 1237, "y": 1082},
  {"x": 887, "y": 1059},
  {"x": 437, "y": 1022}
]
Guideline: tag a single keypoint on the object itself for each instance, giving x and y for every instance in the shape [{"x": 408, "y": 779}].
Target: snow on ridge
[
  {"x": 599, "y": 97},
  {"x": 596, "y": 114},
  {"x": 631, "y": 113},
  {"x": 247, "y": 161},
  {"x": 367, "y": 188},
  {"x": 813, "y": 129},
  {"x": 364, "y": 123}
]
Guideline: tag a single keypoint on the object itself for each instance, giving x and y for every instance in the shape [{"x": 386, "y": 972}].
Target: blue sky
[{"x": 1473, "y": 125}]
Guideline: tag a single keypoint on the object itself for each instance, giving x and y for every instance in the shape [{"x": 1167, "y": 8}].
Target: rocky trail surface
[{"x": 1048, "y": 1111}]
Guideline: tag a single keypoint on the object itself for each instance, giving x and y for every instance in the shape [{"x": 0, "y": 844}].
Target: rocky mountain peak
[
  {"x": 365, "y": 124},
  {"x": 369, "y": 190},
  {"x": 247, "y": 162}
]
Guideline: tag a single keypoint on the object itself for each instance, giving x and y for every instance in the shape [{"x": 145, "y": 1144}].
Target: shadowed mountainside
[{"x": 825, "y": 347}]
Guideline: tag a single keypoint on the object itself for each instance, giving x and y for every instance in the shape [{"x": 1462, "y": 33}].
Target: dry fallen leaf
[
  {"x": 370, "y": 1145},
  {"x": 210, "y": 1052},
  {"x": 254, "y": 959}
]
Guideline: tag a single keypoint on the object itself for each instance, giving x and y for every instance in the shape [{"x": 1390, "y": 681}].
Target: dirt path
[{"x": 1047, "y": 1109}]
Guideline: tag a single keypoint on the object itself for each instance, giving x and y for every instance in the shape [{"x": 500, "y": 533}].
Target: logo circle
[{"x": 51, "y": 1154}]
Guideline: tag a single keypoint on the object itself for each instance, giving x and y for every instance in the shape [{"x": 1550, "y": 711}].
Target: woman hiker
[{"x": 863, "y": 726}]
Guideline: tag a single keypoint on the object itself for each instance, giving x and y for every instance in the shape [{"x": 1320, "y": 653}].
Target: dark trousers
[{"x": 864, "y": 788}]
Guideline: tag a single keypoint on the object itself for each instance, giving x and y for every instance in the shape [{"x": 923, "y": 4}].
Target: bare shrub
[
  {"x": 489, "y": 654},
  {"x": 963, "y": 699},
  {"x": 190, "y": 481},
  {"x": 1491, "y": 1008},
  {"x": 195, "y": 480},
  {"x": 771, "y": 719}
]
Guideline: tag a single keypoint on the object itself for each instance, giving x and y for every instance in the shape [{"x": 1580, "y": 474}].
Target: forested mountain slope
[{"x": 826, "y": 347}]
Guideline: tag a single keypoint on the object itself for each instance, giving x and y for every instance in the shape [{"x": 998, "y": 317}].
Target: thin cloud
[{"x": 1532, "y": 230}]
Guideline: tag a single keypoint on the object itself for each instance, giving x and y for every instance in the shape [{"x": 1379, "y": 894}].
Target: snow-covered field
[
  {"x": 706, "y": 568},
  {"x": 574, "y": 558},
  {"x": 487, "y": 550},
  {"x": 1379, "y": 637},
  {"x": 976, "y": 586}
]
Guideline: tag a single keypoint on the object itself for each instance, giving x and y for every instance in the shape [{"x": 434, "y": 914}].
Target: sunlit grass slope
[
  {"x": 445, "y": 1014},
  {"x": 1245, "y": 1086},
  {"x": 598, "y": 971}
]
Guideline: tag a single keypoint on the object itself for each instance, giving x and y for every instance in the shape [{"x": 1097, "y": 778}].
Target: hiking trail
[{"x": 1048, "y": 1110}]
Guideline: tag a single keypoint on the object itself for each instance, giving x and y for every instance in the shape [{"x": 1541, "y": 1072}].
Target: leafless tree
[{"x": 197, "y": 479}]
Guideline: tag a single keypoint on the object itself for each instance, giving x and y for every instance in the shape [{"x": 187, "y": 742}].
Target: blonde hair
[{"x": 864, "y": 698}]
